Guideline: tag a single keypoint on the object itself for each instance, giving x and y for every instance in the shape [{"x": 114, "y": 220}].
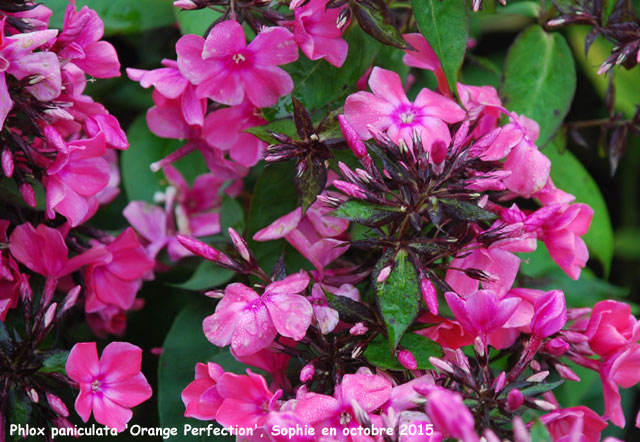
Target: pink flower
[
  {"x": 316, "y": 235},
  {"x": 250, "y": 322},
  {"x": 273, "y": 362},
  {"x": 611, "y": 325},
  {"x": 364, "y": 391},
  {"x": 566, "y": 424},
  {"x": 388, "y": 109},
  {"x": 224, "y": 130},
  {"x": 78, "y": 173},
  {"x": 423, "y": 57},
  {"x": 482, "y": 312},
  {"x": 80, "y": 42},
  {"x": 168, "y": 81},
  {"x": 483, "y": 104},
  {"x": 316, "y": 32},
  {"x": 115, "y": 278},
  {"x": 621, "y": 368},
  {"x": 225, "y": 68},
  {"x": 246, "y": 400},
  {"x": 11, "y": 280},
  {"x": 110, "y": 386},
  {"x": 201, "y": 397},
  {"x": 449, "y": 415},
  {"x": 449, "y": 334},
  {"x": 549, "y": 314}
]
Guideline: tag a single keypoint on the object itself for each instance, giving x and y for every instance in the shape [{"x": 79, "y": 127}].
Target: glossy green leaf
[
  {"x": 445, "y": 25},
  {"x": 120, "y": 16},
  {"x": 348, "y": 309},
  {"x": 465, "y": 210},
  {"x": 541, "y": 387},
  {"x": 311, "y": 182},
  {"x": 539, "y": 432},
  {"x": 571, "y": 176},
  {"x": 139, "y": 182},
  {"x": 366, "y": 213},
  {"x": 398, "y": 296},
  {"x": 197, "y": 21},
  {"x": 421, "y": 347},
  {"x": 184, "y": 346},
  {"x": 54, "y": 361},
  {"x": 19, "y": 409},
  {"x": 283, "y": 126},
  {"x": 375, "y": 18},
  {"x": 540, "y": 79},
  {"x": 312, "y": 86},
  {"x": 207, "y": 276}
]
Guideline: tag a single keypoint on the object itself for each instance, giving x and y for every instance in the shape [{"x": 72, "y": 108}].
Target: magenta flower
[
  {"x": 250, "y": 322},
  {"x": 611, "y": 325},
  {"x": 78, "y": 173},
  {"x": 116, "y": 277},
  {"x": 423, "y": 57},
  {"x": 316, "y": 32},
  {"x": 246, "y": 400},
  {"x": 225, "y": 128},
  {"x": 621, "y": 368},
  {"x": 482, "y": 312},
  {"x": 575, "y": 423},
  {"x": 80, "y": 42},
  {"x": 225, "y": 68},
  {"x": 201, "y": 397},
  {"x": 388, "y": 109},
  {"x": 110, "y": 386},
  {"x": 449, "y": 415},
  {"x": 549, "y": 314},
  {"x": 369, "y": 392}
]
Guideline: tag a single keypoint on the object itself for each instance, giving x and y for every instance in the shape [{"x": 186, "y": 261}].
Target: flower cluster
[{"x": 54, "y": 137}]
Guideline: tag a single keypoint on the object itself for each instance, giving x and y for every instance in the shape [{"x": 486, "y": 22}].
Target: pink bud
[
  {"x": 429, "y": 295},
  {"x": 499, "y": 382},
  {"x": 33, "y": 395},
  {"x": 515, "y": 399},
  {"x": 538, "y": 377},
  {"x": 207, "y": 252},
  {"x": 7, "y": 162},
  {"x": 407, "y": 360},
  {"x": 567, "y": 373},
  {"x": 307, "y": 372},
  {"x": 28, "y": 194},
  {"x": 550, "y": 314},
  {"x": 556, "y": 346},
  {"x": 384, "y": 274},
  {"x": 240, "y": 244},
  {"x": 156, "y": 351},
  {"x": 48, "y": 316},
  {"x": 185, "y": 4},
  {"x": 350, "y": 189},
  {"x": 57, "y": 405},
  {"x": 479, "y": 346},
  {"x": 490, "y": 436},
  {"x": 71, "y": 298},
  {"x": 353, "y": 139},
  {"x": 358, "y": 329},
  {"x": 544, "y": 405},
  {"x": 441, "y": 364},
  {"x": 214, "y": 294},
  {"x": 520, "y": 432}
]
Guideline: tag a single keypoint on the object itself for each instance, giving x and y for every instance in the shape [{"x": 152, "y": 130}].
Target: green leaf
[
  {"x": 541, "y": 387},
  {"x": 375, "y": 18},
  {"x": 349, "y": 310},
  {"x": 184, "y": 346},
  {"x": 19, "y": 408},
  {"x": 465, "y": 210},
  {"x": 54, "y": 361},
  {"x": 539, "y": 432},
  {"x": 197, "y": 21},
  {"x": 445, "y": 25},
  {"x": 310, "y": 77},
  {"x": 571, "y": 176},
  {"x": 274, "y": 196},
  {"x": 231, "y": 215},
  {"x": 207, "y": 276},
  {"x": 120, "y": 16},
  {"x": 398, "y": 296},
  {"x": 526, "y": 8},
  {"x": 421, "y": 347},
  {"x": 139, "y": 182},
  {"x": 283, "y": 126},
  {"x": 366, "y": 213},
  {"x": 311, "y": 182},
  {"x": 540, "y": 79}
]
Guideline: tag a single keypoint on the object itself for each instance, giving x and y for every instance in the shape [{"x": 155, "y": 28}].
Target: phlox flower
[
  {"x": 611, "y": 325},
  {"x": 226, "y": 69},
  {"x": 574, "y": 423},
  {"x": 250, "y": 322},
  {"x": 109, "y": 386},
  {"x": 201, "y": 397},
  {"x": 388, "y": 109},
  {"x": 482, "y": 312},
  {"x": 423, "y": 57}
]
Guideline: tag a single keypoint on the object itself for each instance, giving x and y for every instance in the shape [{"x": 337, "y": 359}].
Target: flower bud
[
  {"x": 550, "y": 314},
  {"x": 28, "y": 194},
  {"x": 538, "y": 377},
  {"x": 358, "y": 329},
  {"x": 71, "y": 298},
  {"x": 185, "y": 4},
  {"x": 384, "y": 274},
  {"x": 207, "y": 252},
  {"x": 7, "y": 162},
  {"x": 499, "y": 382},
  {"x": 556, "y": 346},
  {"x": 407, "y": 360},
  {"x": 307, "y": 372},
  {"x": 515, "y": 399},
  {"x": 441, "y": 364},
  {"x": 353, "y": 139},
  {"x": 429, "y": 295},
  {"x": 544, "y": 405},
  {"x": 567, "y": 373},
  {"x": 240, "y": 244},
  {"x": 48, "y": 316},
  {"x": 33, "y": 395},
  {"x": 57, "y": 405},
  {"x": 520, "y": 432}
]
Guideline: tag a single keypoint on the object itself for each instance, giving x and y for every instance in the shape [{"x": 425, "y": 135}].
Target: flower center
[
  {"x": 407, "y": 117},
  {"x": 95, "y": 385},
  {"x": 238, "y": 58},
  {"x": 345, "y": 418}
]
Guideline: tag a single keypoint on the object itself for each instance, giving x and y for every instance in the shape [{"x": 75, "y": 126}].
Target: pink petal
[
  {"x": 129, "y": 392},
  {"x": 120, "y": 361},
  {"x": 224, "y": 40},
  {"x": 148, "y": 220},
  {"x": 111, "y": 414},
  {"x": 435, "y": 105},
  {"x": 254, "y": 331},
  {"x": 369, "y": 391},
  {"x": 274, "y": 46},
  {"x": 84, "y": 403},
  {"x": 266, "y": 84},
  {"x": 363, "y": 108},
  {"x": 280, "y": 227},
  {"x": 167, "y": 122},
  {"x": 101, "y": 60},
  {"x": 292, "y": 284},
  {"x": 291, "y": 314},
  {"x": 529, "y": 170},
  {"x": 387, "y": 86},
  {"x": 224, "y": 88},
  {"x": 82, "y": 364}
]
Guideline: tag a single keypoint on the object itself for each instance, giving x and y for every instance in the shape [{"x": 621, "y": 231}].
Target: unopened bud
[
  {"x": 71, "y": 298},
  {"x": 214, "y": 294},
  {"x": 7, "y": 162},
  {"x": 240, "y": 244},
  {"x": 384, "y": 274},
  {"x": 499, "y": 382},
  {"x": 535, "y": 365},
  {"x": 556, "y": 22},
  {"x": 57, "y": 405},
  {"x": 407, "y": 360},
  {"x": 544, "y": 405},
  {"x": 429, "y": 295},
  {"x": 33, "y": 395},
  {"x": 441, "y": 364},
  {"x": 538, "y": 377},
  {"x": 343, "y": 18},
  {"x": 515, "y": 399},
  {"x": 353, "y": 138},
  {"x": 185, "y": 4},
  {"x": 556, "y": 346},
  {"x": 358, "y": 329},
  {"x": 479, "y": 347},
  {"x": 48, "y": 316},
  {"x": 28, "y": 194},
  {"x": 567, "y": 373},
  {"x": 307, "y": 372},
  {"x": 520, "y": 432}
]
